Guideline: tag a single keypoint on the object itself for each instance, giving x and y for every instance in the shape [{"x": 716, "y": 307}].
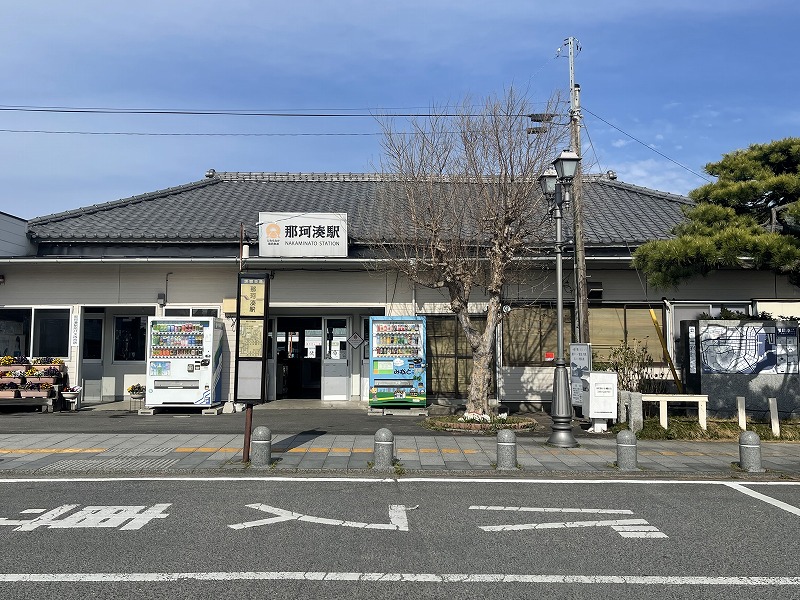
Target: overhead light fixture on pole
[{"x": 566, "y": 166}]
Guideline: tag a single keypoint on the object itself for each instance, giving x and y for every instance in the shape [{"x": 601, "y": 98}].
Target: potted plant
[
  {"x": 14, "y": 362},
  {"x": 31, "y": 389},
  {"x": 48, "y": 361},
  {"x": 49, "y": 374},
  {"x": 8, "y": 390},
  {"x": 136, "y": 391},
  {"x": 70, "y": 393}
]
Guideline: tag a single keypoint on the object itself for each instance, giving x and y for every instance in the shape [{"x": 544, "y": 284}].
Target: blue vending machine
[{"x": 397, "y": 376}]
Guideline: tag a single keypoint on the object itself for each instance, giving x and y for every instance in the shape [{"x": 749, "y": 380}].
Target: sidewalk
[{"x": 60, "y": 454}]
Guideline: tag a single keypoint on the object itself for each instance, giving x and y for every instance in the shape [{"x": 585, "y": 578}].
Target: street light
[{"x": 561, "y": 409}]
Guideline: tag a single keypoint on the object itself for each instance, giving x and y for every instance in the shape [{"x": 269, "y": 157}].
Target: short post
[
  {"x": 261, "y": 447},
  {"x": 383, "y": 450},
  {"x": 741, "y": 412},
  {"x": 506, "y": 450},
  {"x": 626, "y": 451},
  {"x": 750, "y": 452},
  {"x": 773, "y": 417},
  {"x": 635, "y": 415}
]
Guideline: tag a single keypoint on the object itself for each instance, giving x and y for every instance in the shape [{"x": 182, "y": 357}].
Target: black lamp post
[{"x": 561, "y": 408}]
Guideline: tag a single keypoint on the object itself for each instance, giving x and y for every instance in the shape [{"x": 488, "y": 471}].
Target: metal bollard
[
  {"x": 506, "y": 450},
  {"x": 261, "y": 447},
  {"x": 750, "y": 452},
  {"x": 626, "y": 451},
  {"x": 383, "y": 450}
]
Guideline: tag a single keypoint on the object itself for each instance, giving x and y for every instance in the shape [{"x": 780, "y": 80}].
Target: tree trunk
[{"x": 478, "y": 397}]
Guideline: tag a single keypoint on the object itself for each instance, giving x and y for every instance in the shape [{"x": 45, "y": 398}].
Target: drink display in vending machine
[
  {"x": 397, "y": 361},
  {"x": 184, "y": 361}
]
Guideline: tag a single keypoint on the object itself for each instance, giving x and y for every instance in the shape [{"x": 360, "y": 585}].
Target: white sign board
[
  {"x": 302, "y": 234},
  {"x": 602, "y": 399}
]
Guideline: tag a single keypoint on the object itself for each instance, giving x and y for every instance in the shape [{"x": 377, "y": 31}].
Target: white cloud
[
  {"x": 658, "y": 175},
  {"x": 620, "y": 143}
]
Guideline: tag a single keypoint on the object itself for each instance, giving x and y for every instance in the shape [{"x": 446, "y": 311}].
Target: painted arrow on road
[
  {"x": 629, "y": 528},
  {"x": 397, "y": 517}
]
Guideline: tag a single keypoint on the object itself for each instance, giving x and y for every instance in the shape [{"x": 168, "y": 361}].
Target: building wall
[
  {"x": 13, "y": 239},
  {"x": 354, "y": 292}
]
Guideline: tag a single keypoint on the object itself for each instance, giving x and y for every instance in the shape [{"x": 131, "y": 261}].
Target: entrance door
[
  {"x": 92, "y": 358},
  {"x": 299, "y": 357},
  {"x": 335, "y": 363}
]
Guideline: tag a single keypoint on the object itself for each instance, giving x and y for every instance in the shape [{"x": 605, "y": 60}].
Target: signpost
[{"x": 250, "y": 375}]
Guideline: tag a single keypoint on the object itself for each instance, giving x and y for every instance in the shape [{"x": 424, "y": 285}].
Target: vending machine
[
  {"x": 184, "y": 361},
  {"x": 397, "y": 374}
]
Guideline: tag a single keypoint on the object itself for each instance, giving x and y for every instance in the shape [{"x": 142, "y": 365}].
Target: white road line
[
  {"x": 450, "y": 480},
  {"x": 564, "y": 525},
  {"x": 768, "y": 499},
  {"x": 457, "y": 578},
  {"x": 397, "y": 517},
  {"x": 594, "y": 511}
]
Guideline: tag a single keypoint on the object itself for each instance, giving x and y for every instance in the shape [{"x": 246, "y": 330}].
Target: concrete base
[
  {"x": 214, "y": 410},
  {"x": 146, "y": 411},
  {"x": 407, "y": 412}
]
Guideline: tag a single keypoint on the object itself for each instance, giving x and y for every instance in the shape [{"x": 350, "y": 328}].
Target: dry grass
[{"x": 684, "y": 428}]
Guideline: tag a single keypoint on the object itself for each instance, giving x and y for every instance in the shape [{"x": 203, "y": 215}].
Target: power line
[
  {"x": 144, "y": 134},
  {"x": 648, "y": 146},
  {"x": 292, "y": 113}
]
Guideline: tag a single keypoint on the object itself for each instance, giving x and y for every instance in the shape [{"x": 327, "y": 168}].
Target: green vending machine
[{"x": 397, "y": 375}]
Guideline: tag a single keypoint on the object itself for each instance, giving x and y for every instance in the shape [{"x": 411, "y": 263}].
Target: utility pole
[{"x": 581, "y": 286}]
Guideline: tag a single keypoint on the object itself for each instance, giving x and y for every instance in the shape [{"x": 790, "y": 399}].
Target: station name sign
[{"x": 300, "y": 235}]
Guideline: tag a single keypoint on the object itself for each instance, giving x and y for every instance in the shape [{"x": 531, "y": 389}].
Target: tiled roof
[{"x": 211, "y": 210}]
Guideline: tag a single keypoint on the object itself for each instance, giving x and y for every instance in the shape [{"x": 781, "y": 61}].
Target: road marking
[
  {"x": 397, "y": 517},
  {"x": 456, "y": 578},
  {"x": 594, "y": 511},
  {"x": 768, "y": 499},
  {"x": 186, "y": 449},
  {"x": 111, "y": 517},
  {"x": 50, "y": 450},
  {"x": 392, "y": 480},
  {"x": 627, "y": 528}
]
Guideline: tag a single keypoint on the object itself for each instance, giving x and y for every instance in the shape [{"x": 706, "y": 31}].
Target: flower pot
[
  {"x": 42, "y": 379},
  {"x": 70, "y": 395},
  {"x": 44, "y": 366},
  {"x": 34, "y": 393},
  {"x": 137, "y": 396},
  {"x": 7, "y": 394}
]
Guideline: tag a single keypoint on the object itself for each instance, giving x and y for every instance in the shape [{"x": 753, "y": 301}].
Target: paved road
[
  {"x": 368, "y": 538},
  {"x": 288, "y": 421}
]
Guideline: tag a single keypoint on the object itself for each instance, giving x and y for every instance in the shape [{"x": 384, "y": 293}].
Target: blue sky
[{"x": 666, "y": 86}]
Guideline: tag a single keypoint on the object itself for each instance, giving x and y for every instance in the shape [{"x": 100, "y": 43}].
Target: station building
[{"x": 81, "y": 284}]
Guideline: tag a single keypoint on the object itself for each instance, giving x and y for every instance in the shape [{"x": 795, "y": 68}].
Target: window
[
  {"x": 92, "y": 338},
  {"x": 192, "y": 312},
  {"x": 613, "y": 326},
  {"x": 529, "y": 335},
  {"x": 15, "y": 327},
  {"x": 51, "y": 332},
  {"x": 129, "y": 338},
  {"x": 449, "y": 356}
]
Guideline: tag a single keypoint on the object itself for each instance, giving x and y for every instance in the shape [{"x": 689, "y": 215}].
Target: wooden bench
[{"x": 664, "y": 400}]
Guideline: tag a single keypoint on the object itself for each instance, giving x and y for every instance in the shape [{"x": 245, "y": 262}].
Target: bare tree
[{"x": 467, "y": 206}]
